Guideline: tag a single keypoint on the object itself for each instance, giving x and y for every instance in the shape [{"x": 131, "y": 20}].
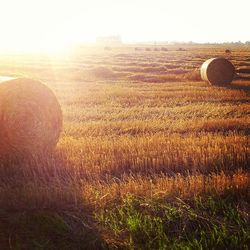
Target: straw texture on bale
[
  {"x": 217, "y": 71},
  {"x": 30, "y": 117}
]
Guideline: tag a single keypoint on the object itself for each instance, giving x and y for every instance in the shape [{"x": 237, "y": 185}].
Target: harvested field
[{"x": 146, "y": 146}]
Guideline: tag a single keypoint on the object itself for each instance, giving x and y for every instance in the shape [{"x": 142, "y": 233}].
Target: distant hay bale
[
  {"x": 164, "y": 49},
  {"x": 102, "y": 72},
  {"x": 30, "y": 118},
  {"x": 228, "y": 51},
  {"x": 217, "y": 71}
]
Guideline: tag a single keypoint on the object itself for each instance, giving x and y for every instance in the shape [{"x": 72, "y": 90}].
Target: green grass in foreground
[
  {"x": 133, "y": 222},
  {"x": 203, "y": 223}
]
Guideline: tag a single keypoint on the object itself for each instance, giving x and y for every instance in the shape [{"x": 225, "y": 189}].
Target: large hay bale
[
  {"x": 30, "y": 117},
  {"x": 217, "y": 71}
]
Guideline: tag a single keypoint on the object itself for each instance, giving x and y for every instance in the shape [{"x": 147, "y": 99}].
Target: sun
[
  {"x": 54, "y": 25},
  {"x": 44, "y": 26}
]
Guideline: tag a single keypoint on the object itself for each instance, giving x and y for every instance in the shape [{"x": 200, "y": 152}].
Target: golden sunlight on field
[
  {"x": 124, "y": 124},
  {"x": 144, "y": 141}
]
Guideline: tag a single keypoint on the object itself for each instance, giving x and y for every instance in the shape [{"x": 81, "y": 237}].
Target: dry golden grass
[
  {"x": 118, "y": 125},
  {"x": 135, "y": 122}
]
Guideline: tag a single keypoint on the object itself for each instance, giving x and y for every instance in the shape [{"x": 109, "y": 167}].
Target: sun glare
[{"x": 46, "y": 25}]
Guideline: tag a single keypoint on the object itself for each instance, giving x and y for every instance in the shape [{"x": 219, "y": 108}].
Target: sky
[{"x": 33, "y": 24}]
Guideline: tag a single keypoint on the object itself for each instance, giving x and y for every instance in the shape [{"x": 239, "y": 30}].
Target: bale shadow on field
[
  {"x": 238, "y": 86},
  {"x": 47, "y": 181},
  {"x": 41, "y": 206},
  {"x": 48, "y": 230}
]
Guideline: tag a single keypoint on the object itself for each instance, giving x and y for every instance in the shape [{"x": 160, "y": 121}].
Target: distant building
[{"x": 109, "y": 40}]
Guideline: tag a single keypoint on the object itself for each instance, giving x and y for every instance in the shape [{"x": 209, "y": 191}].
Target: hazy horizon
[{"x": 30, "y": 24}]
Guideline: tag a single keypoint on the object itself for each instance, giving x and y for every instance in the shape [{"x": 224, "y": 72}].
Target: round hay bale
[
  {"x": 30, "y": 118},
  {"x": 217, "y": 71}
]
